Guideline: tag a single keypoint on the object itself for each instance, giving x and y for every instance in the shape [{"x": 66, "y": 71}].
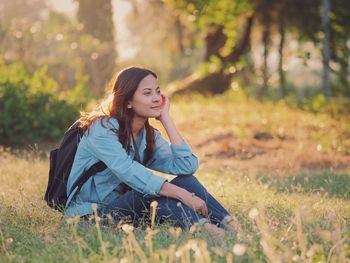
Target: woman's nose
[{"x": 157, "y": 97}]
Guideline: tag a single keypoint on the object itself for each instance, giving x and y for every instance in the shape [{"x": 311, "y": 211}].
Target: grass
[{"x": 289, "y": 188}]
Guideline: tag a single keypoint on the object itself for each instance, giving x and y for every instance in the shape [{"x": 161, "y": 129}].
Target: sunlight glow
[{"x": 125, "y": 47}]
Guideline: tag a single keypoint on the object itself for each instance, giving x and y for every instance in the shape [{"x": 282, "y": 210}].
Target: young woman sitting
[{"x": 123, "y": 139}]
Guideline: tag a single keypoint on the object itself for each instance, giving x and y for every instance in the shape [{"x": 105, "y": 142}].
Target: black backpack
[{"x": 61, "y": 161}]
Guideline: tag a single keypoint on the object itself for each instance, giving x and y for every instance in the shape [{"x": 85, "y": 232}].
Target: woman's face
[{"x": 147, "y": 99}]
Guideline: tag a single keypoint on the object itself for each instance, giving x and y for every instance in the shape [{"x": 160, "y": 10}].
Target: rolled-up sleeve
[
  {"x": 172, "y": 158},
  {"x": 105, "y": 146}
]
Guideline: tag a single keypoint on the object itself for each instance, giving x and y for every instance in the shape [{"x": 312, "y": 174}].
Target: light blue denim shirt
[{"x": 101, "y": 143}]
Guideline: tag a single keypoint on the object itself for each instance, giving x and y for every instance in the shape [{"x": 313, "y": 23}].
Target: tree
[
  {"x": 282, "y": 32},
  {"x": 339, "y": 45},
  {"x": 47, "y": 39},
  {"x": 168, "y": 49},
  {"x": 296, "y": 17},
  {"x": 265, "y": 11},
  {"x": 326, "y": 50},
  {"x": 225, "y": 41},
  {"x": 15, "y": 16},
  {"x": 336, "y": 33},
  {"x": 96, "y": 18}
]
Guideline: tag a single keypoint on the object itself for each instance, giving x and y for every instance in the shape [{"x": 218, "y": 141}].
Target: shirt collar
[{"x": 141, "y": 143}]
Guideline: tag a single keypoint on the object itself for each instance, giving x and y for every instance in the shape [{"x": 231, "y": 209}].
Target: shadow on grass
[{"x": 332, "y": 184}]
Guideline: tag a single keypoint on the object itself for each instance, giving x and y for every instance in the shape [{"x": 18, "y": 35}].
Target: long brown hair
[{"x": 115, "y": 106}]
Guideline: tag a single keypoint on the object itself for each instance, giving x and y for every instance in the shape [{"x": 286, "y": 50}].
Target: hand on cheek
[
  {"x": 165, "y": 103},
  {"x": 164, "y": 107}
]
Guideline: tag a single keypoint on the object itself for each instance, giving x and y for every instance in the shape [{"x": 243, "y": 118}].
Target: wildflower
[
  {"x": 70, "y": 221},
  {"x": 193, "y": 229},
  {"x": 319, "y": 147},
  {"x": 326, "y": 235},
  {"x": 154, "y": 205},
  {"x": 175, "y": 232},
  {"x": 310, "y": 253},
  {"x": 192, "y": 244},
  {"x": 73, "y": 220},
  {"x": 218, "y": 251},
  {"x": 253, "y": 213},
  {"x": 239, "y": 249},
  {"x": 331, "y": 216},
  {"x": 127, "y": 228},
  {"x": 295, "y": 258},
  {"x": 9, "y": 240},
  {"x": 178, "y": 253}
]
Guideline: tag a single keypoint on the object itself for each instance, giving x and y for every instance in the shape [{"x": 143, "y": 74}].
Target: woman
[{"x": 123, "y": 139}]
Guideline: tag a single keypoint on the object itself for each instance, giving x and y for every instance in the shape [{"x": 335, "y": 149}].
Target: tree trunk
[
  {"x": 96, "y": 16},
  {"x": 282, "y": 77},
  {"x": 265, "y": 70},
  {"x": 343, "y": 75},
  {"x": 243, "y": 45},
  {"x": 178, "y": 27},
  {"x": 135, "y": 8},
  {"x": 214, "y": 40},
  {"x": 326, "y": 49},
  {"x": 219, "y": 82}
]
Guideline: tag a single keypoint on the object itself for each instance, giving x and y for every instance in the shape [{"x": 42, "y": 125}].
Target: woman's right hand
[
  {"x": 185, "y": 197},
  {"x": 196, "y": 203}
]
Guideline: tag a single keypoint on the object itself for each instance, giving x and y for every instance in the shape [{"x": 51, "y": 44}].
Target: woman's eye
[{"x": 147, "y": 93}]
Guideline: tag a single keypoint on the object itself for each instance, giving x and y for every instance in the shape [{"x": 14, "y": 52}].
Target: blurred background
[
  {"x": 56, "y": 57},
  {"x": 259, "y": 88}
]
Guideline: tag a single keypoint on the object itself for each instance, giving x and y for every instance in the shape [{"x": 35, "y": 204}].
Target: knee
[
  {"x": 184, "y": 179},
  {"x": 188, "y": 182}
]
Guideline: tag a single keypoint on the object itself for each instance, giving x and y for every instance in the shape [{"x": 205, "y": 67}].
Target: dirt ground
[{"x": 265, "y": 152}]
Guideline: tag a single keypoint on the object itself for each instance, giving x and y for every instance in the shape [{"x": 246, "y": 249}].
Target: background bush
[{"x": 31, "y": 109}]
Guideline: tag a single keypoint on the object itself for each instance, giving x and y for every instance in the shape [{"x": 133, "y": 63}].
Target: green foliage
[
  {"x": 30, "y": 107},
  {"x": 310, "y": 99},
  {"x": 316, "y": 104},
  {"x": 336, "y": 107},
  {"x": 217, "y": 12},
  {"x": 60, "y": 43}
]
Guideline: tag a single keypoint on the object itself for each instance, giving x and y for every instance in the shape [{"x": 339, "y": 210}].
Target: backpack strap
[{"x": 97, "y": 167}]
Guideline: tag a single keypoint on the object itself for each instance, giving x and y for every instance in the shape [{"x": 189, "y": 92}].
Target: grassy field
[{"x": 283, "y": 172}]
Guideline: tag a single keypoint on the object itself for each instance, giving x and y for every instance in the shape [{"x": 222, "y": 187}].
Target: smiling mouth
[{"x": 155, "y": 108}]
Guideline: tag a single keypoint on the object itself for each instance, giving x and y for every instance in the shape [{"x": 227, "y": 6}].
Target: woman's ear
[{"x": 128, "y": 104}]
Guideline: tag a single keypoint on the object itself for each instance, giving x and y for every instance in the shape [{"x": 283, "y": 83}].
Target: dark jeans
[{"x": 134, "y": 206}]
